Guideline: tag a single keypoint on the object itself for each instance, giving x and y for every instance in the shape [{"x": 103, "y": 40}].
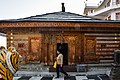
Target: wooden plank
[
  {"x": 102, "y": 35},
  {"x": 105, "y": 50},
  {"x": 108, "y": 39},
  {"x": 117, "y": 47},
  {"x": 105, "y": 54},
  {"x": 106, "y": 58},
  {"x": 19, "y": 39},
  {"x": 108, "y": 43},
  {"x": 91, "y": 59}
]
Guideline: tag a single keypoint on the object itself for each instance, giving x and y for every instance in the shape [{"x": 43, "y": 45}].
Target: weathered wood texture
[
  {"x": 87, "y": 42},
  {"x": 58, "y": 24},
  {"x": 106, "y": 44},
  {"x": 41, "y": 47},
  {"x": 82, "y": 48}
]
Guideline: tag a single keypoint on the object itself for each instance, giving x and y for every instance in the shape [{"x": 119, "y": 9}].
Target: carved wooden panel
[
  {"x": 34, "y": 43},
  {"x": 34, "y": 50},
  {"x": 90, "y": 44},
  {"x": 90, "y": 50}
]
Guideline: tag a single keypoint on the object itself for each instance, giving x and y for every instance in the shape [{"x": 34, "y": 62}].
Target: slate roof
[{"x": 58, "y": 16}]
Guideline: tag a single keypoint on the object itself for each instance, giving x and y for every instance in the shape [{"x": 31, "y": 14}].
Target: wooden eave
[{"x": 51, "y": 24}]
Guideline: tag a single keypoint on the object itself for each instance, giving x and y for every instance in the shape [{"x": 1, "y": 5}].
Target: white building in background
[
  {"x": 3, "y": 40},
  {"x": 105, "y": 9}
]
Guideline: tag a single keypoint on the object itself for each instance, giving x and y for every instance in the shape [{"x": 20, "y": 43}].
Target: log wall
[
  {"x": 106, "y": 44},
  {"x": 94, "y": 47}
]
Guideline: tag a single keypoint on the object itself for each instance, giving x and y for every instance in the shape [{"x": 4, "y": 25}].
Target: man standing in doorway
[{"x": 59, "y": 67}]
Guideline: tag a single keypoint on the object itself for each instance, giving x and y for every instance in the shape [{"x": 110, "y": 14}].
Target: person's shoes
[
  {"x": 67, "y": 75},
  {"x": 56, "y": 77}
]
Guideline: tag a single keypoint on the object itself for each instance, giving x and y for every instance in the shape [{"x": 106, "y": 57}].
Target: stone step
[
  {"x": 70, "y": 68},
  {"x": 66, "y": 68},
  {"x": 34, "y": 67},
  {"x": 106, "y": 61},
  {"x": 37, "y": 73}
]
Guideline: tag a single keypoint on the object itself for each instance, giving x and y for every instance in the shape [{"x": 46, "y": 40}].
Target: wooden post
[{"x": 82, "y": 46}]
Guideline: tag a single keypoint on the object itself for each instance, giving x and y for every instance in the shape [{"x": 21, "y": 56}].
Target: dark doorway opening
[{"x": 63, "y": 48}]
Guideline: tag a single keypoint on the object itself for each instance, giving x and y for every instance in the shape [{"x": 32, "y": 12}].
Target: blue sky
[{"x": 14, "y": 9}]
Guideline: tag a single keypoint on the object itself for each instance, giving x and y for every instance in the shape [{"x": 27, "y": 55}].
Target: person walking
[{"x": 59, "y": 67}]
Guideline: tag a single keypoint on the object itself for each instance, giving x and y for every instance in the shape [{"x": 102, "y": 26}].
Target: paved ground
[
  {"x": 38, "y": 72},
  {"x": 77, "y": 77},
  {"x": 36, "y": 75}
]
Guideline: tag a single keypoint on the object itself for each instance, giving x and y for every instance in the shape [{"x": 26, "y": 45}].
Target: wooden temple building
[{"x": 81, "y": 39}]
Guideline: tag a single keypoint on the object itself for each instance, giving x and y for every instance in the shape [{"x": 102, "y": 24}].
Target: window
[
  {"x": 117, "y": 1},
  {"x": 118, "y": 16},
  {"x": 20, "y": 45}
]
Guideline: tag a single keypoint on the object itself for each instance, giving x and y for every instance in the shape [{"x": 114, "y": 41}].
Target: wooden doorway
[{"x": 63, "y": 48}]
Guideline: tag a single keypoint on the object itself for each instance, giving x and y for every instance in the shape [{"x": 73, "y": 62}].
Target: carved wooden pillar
[
  {"x": 54, "y": 42},
  {"x": 46, "y": 50},
  {"x": 42, "y": 49},
  {"x": 78, "y": 49},
  {"x": 82, "y": 47},
  {"x": 40, "y": 52}
]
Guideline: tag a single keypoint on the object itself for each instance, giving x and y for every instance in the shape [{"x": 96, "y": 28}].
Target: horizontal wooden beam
[{"x": 59, "y": 24}]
